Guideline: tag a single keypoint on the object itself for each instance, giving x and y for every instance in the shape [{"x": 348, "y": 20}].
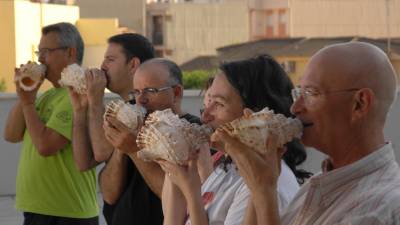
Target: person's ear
[
  {"x": 72, "y": 53},
  {"x": 134, "y": 63},
  {"x": 178, "y": 91},
  {"x": 363, "y": 101}
]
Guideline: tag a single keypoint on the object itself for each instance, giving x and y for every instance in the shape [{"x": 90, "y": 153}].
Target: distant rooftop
[
  {"x": 201, "y": 63},
  {"x": 286, "y": 47}
]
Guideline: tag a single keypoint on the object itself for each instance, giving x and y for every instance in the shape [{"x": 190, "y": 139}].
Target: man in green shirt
[{"x": 50, "y": 188}]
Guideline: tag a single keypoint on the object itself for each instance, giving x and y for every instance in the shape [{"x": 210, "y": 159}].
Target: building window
[
  {"x": 158, "y": 33},
  {"x": 282, "y": 23},
  {"x": 159, "y": 53},
  {"x": 269, "y": 26},
  {"x": 289, "y": 66}
]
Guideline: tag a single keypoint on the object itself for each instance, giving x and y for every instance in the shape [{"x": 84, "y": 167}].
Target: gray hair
[
  {"x": 68, "y": 36},
  {"x": 175, "y": 73}
]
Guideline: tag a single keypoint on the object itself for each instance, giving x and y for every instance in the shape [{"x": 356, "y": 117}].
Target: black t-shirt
[{"x": 138, "y": 204}]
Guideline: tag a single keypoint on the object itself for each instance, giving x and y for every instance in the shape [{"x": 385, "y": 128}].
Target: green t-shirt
[{"x": 53, "y": 185}]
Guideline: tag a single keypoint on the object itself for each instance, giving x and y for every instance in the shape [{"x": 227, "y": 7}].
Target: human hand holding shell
[
  {"x": 29, "y": 76},
  {"x": 257, "y": 128},
  {"x": 74, "y": 76},
  {"x": 166, "y": 136}
]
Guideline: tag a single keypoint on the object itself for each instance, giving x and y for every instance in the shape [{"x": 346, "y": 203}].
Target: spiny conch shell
[
  {"x": 74, "y": 76},
  {"x": 254, "y": 130},
  {"x": 166, "y": 136},
  {"x": 31, "y": 74},
  {"x": 130, "y": 115}
]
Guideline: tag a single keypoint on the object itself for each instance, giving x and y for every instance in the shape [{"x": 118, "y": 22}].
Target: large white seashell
[
  {"x": 74, "y": 76},
  {"x": 255, "y": 130},
  {"x": 130, "y": 115},
  {"x": 31, "y": 74},
  {"x": 166, "y": 136}
]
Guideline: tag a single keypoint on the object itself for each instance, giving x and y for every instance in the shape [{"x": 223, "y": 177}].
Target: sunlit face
[
  {"x": 326, "y": 114},
  {"x": 222, "y": 103},
  {"x": 54, "y": 56},
  {"x": 156, "y": 77},
  {"x": 117, "y": 68}
]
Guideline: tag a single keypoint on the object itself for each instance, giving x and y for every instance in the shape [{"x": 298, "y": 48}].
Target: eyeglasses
[
  {"x": 309, "y": 93},
  {"x": 46, "y": 51},
  {"x": 151, "y": 91}
]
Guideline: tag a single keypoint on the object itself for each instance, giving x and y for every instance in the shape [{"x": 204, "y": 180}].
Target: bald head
[
  {"x": 359, "y": 65},
  {"x": 162, "y": 66}
]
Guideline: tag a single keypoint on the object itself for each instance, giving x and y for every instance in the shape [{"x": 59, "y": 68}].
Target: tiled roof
[
  {"x": 294, "y": 47},
  {"x": 201, "y": 63}
]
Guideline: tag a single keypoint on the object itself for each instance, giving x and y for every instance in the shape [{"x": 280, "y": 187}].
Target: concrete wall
[
  {"x": 262, "y": 11},
  {"x": 130, "y": 13},
  {"x": 322, "y": 18},
  {"x": 193, "y": 29},
  {"x": 95, "y": 33},
  {"x": 7, "y": 42},
  {"x": 21, "y": 23}
]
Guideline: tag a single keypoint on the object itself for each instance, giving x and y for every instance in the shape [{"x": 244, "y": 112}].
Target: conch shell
[
  {"x": 74, "y": 76},
  {"x": 255, "y": 129},
  {"x": 130, "y": 115},
  {"x": 166, "y": 136},
  {"x": 31, "y": 74}
]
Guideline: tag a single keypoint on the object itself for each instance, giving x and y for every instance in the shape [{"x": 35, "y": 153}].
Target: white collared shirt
[
  {"x": 225, "y": 195},
  {"x": 365, "y": 192}
]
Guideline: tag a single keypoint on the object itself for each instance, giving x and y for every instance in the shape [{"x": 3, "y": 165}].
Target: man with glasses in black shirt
[{"x": 157, "y": 85}]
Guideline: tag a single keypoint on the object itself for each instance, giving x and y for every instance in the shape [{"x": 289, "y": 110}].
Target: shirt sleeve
[
  {"x": 61, "y": 118},
  {"x": 238, "y": 207}
]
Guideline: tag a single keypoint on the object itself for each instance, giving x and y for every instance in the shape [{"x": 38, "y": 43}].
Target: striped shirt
[{"x": 363, "y": 193}]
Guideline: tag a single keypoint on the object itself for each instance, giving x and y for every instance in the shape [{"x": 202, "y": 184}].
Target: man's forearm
[
  {"x": 46, "y": 140},
  {"x": 266, "y": 206},
  {"x": 15, "y": 125},
  {"x": 151, "y": 173},
  {"x": 82, "y": 149},
  {"x": 102, "y": 149},
  {"x": 113, "y": 177}
]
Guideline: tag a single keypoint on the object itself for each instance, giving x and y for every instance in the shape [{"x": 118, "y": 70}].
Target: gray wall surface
[{"x": 9, "y": 153}]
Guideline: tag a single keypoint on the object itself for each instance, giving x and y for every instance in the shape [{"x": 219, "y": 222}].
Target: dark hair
[
  {"x": 206, "y": 85},
  {"x": 261, "y": 82},
  {"x": 175, "y": 73},
  {"x": 134, "y": 45},
  {"x": 68, "y": 36}
]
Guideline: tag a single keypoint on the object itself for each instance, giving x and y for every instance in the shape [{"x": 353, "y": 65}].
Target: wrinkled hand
[
  {"x": 120, "y": 136},
  {"x": 96, "y": 82},
  {"x": 250, "y": 162},
  {"x": 185, "y": 177},
  {"x": 79, "y": 101},
  {"x": 26, "y": 97}
]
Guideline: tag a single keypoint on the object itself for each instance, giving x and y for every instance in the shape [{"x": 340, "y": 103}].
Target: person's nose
[
  {"x": 142, "y": 99},
  {"x": 297, "y": 106},
  {"x": 207, "y": 115},
  {"x": 104, "y": 66},
  {"x": 41, "y": 59}
]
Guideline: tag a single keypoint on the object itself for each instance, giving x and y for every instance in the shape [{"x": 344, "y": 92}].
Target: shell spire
[
  {"x": 130, "y": 115},
  {"x": 74, "y": 76},
  {"x": 166, "y": 136},
  {"x": 255, "y": 130},
  {"x": 31, "y": 75}
]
